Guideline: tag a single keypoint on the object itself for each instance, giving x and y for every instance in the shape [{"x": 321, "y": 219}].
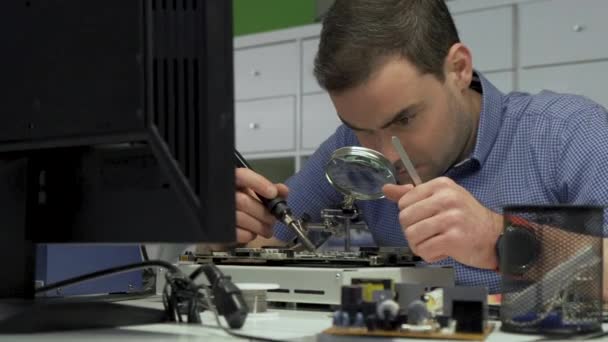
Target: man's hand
[
  {"x": 252, "y": 217},
  {"x": 441, "y": 219}
]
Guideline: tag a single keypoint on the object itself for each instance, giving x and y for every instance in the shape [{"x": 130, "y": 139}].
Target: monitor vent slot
[{"x": 176, "y": 80}]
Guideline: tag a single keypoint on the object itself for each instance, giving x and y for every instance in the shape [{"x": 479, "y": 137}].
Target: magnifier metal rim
[{"x": 366, "y": 154}]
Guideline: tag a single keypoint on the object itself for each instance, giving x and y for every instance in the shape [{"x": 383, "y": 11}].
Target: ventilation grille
[{"x": 175, "y": 45}]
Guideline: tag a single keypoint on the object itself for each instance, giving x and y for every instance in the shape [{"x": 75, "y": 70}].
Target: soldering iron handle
[
  {"x": 240, "y": 161},
  {"x": 277, "y": 206}
]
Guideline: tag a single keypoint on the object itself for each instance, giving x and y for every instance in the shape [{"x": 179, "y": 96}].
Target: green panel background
[{"x": 252, "y": 16}]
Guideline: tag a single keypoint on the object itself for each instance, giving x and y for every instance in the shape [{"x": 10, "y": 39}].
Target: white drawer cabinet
[
  {"x": 265, "y": 125},
  {"x": 584, "y": 79},
  {"x": 560, "y": 31},
  {"x": 528, "y": 45},
  {"x": 265, "y": 71},
  {"x": 319, "y": 119},
  {"x": 309, "y": 52},
  {"x": 489, "y": 35},
  {"x": 277, "y": 170},
  {"x": 502, "y": 80}
]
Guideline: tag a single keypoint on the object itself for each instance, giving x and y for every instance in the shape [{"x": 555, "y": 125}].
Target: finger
[
  {"x": 245, "y": 178},
  {"x": 243, "y": 235},
  {"x": 433, "y": 249},
  {"x": 423, "y": 230},
  {"x": 439, "y": 258},
  {"x": 251, "y": 193},
  {"x": 253, "y": 207},
  {"x": 424, "y": 190},
  {"x": 435, "y": 259},
  {"x": 253, "y": 225},
  {"x": 394, "y": 192},
  {"x": 283, "y": 190},
  {"x": 419, "y": 211}
]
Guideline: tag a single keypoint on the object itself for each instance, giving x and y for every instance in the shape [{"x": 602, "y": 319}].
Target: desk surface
[{"x": 280, "y": 324}]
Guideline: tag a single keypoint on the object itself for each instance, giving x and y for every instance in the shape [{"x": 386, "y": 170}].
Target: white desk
[{"x": 279, "y": 324}]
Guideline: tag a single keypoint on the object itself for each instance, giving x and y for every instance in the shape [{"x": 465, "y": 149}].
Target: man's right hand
[{"x": 252, "y": 217}]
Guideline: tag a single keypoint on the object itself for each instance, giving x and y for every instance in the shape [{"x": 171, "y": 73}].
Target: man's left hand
[{"x": 442, "y": 219}]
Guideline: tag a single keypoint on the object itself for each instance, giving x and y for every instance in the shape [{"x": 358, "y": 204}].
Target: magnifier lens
[{"x": 359, "y": 172}]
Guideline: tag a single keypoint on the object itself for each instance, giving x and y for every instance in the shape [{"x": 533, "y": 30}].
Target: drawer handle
[
  {"x": 578, "y": 28},
  {"x": 255, "y": 73},
  {"x": 254, "y": 125}
]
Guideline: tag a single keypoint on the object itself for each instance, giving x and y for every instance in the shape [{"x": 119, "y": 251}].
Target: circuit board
[
  {"x": 354, "y": 331},
  {"x": 383, "y": 256}
]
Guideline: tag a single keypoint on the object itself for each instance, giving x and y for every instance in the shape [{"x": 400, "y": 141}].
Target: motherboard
[{"x": 364, "y": 256}]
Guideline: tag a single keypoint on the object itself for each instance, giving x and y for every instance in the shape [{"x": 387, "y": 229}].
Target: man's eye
[{"x": 403, "y": 121}]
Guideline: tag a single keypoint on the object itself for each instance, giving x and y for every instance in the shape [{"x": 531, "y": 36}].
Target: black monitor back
[{"x": 116, "y": 124}]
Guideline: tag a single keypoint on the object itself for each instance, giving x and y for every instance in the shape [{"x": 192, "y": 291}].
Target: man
[{"x": 398, "y": 69}]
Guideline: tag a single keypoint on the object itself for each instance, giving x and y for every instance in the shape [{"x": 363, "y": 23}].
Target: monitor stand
[
  {"x": 22, "y": 312},
  {"x": 19, "y": 316}
]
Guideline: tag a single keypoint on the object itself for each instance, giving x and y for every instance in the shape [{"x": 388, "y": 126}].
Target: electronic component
[
  {"x": 407, "y": 314},
  {"x": 365, "y": 256},
  {"x": 319, "y": 284}
]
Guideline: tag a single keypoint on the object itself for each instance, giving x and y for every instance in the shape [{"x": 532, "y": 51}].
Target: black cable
[
  {"x": 227, "y": 297},
  {"x": 169, "y": 304},
  {"x": 228, "y": 330},
  {"x": 144, "y": 252},
  {"x": 148, "y": 275},
  {"x": 107, "y": 272},
  {"x": 181, "y": 288},
  {"x": 197, "y": 272}
]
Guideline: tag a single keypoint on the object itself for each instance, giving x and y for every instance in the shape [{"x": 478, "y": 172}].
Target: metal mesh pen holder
[{"x": 551, "y": 266}]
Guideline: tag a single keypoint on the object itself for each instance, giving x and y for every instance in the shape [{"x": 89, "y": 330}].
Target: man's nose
[{"x": 385, "y": 146}]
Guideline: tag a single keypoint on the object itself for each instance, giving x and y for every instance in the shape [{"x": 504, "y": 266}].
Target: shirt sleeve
[
  {"x": 309, "y": 190},
  {"x": 583, "y": 160}
]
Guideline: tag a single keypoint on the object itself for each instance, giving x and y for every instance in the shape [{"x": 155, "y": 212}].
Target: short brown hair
[{"x": 358, "y": 35}]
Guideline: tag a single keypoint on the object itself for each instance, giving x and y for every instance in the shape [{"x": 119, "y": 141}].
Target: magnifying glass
[{"x": 360, "y": 173}]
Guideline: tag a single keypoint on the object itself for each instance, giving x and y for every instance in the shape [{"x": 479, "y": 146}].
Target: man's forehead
[
  {"x": 385, "y": 92},
  {"x": 390, "y": 91},
  {"x": 381, "y": 120}
]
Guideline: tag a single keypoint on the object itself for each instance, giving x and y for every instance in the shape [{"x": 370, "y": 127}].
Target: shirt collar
[{"x": 490, "y": 119}]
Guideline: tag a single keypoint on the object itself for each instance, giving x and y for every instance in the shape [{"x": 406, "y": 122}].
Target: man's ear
[{"x": 458, "y": 66}]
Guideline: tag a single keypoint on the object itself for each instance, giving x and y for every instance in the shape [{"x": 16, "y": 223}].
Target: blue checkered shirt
[{"x": 547, "y": 148}]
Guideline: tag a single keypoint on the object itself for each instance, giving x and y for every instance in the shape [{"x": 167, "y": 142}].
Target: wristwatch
[{"x": 517, "y": 248}]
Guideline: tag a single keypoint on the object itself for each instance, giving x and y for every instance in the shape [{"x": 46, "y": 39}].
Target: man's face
[{"x": 427, "y": 115}]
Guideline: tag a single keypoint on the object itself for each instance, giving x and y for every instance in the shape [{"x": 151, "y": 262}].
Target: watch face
[{"x": 517, "y": 249}]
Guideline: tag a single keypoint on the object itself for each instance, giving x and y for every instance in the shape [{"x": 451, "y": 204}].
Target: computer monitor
[{"x": 116, "y": 126}]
